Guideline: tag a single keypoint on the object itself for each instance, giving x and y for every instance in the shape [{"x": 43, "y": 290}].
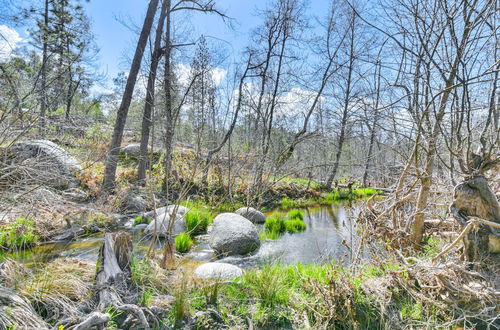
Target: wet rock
[
  {"x": 69, "y": 234},
  {"x": 201, "y": 255},
  {"x": 45, "y": 162},
  {"x": 252, "y": 214},
  {"x": 181, "y": 210},
  {"x": 233, "y": 234},
  {"x": 140, "y": 227},
  {"x": 218, "y": 271}
]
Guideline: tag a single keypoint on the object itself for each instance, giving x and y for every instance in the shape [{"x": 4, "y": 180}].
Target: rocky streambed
[{"x": 329, "y": 234}]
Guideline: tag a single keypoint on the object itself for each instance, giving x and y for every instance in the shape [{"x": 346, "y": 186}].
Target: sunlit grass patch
[
  {"x": 183, "y": 242},
  {"x": 278, "y": 224},
  {"x": 275, "y": 224},
  {"x": 139, "y": 220},
  {"x": 295, "y": 226}
]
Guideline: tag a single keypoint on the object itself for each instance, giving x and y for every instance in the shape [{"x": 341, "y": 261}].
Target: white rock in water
[
  {"x": 181, "y": 210},
  {"x": 218, "y": 270},
  {"x": 162, "y": 222}
]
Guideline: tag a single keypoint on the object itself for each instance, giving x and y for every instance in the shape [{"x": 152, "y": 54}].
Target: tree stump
[
  {"x": 474, "y": 198},
  {"x": 113, "y": 285}
]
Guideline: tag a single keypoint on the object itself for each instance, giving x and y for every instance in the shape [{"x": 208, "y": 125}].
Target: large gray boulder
[
  {"x": 132, "y": 203},
  {"x": 132, "y": 150},
  {"x": 163, "y": 216},
  {"x": 251, "y": 214},
  {"x": 46, "y": 163},
  {"x": 233, "y": 234},
  {"x": 218, "y": 271}
]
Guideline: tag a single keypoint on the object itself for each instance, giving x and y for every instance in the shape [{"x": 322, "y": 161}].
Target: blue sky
[
  {"x": 114, "y": 39},
  {"x": 117, "y": 42}
]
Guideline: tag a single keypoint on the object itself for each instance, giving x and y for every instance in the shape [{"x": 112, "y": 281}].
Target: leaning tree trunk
[
  {"x": 121, "y": 117},
  {"x": 150, "y": 96}
]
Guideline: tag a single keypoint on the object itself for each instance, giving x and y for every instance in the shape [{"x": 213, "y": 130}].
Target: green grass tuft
[
  {"x": 183, "y": 242},
  {"x": 295, "y": 226},
  {"x": 295, "y": 214},
  {"x": 278, "y": 224},
  {"x": 275, "y": 224},
  {"x": 263, "y": 235},
  {"x": 139, "y": 220},
  {"x": 20, "y": 234},
  {"x": 197, "y": 221}
]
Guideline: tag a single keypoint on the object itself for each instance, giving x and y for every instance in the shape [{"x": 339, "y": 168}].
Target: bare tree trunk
[
  {"x": 170, "y": 116},
  {"x": 373, "y": 128},
  {"x": 45, "y": 56},
  {"x": 426, "y": 178},
  {"x": 150, "y": 96},
  {"x": 121, "y": 118},
  {"x": 266, "y": 134}
]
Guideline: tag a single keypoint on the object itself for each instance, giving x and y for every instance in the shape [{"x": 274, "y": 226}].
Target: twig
[{"x": 464, "y": 232}]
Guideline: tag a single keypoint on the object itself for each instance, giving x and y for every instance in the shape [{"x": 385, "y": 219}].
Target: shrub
[
  {"x": 183, "y": 242},
  {"x": 197, "y": 221},
  {"x": 20, "y": 234},
  {"x": 295, "y": 226},
  {"x": 295, "y": 214}
]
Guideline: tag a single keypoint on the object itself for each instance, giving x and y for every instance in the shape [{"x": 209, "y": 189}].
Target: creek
[{"x": 330, "y": 234}]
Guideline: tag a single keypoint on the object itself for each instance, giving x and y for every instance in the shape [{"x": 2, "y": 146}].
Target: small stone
[
  {"x": 252, "y": 214},
  {"x": 218, "y": 270}
]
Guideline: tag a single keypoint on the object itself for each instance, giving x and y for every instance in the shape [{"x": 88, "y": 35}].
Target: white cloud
[
  {"x": 183, "y": 73},
  {"x": 296, "y": 101},
  {"x": 218, "y": 75},
  {"x": 9, "y": 38}
]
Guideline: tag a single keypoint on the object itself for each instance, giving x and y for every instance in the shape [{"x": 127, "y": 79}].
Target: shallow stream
[{"x": 330, "y": 234}]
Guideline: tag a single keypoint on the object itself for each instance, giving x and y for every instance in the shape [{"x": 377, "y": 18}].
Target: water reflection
[{"x": 330, "y": 234}]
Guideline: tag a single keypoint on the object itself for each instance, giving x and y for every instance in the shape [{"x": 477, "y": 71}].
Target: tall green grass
[
  {"x": 183, "y": 242},
  {"x": 295, "y": 214},
  {"x": 197, "y": 221},
  {"x": 278, "y": 224},
  {"x": 295, "y": 226},
  {"x": 330, "y": 198},
  {"x": 275, "y": 224}
]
